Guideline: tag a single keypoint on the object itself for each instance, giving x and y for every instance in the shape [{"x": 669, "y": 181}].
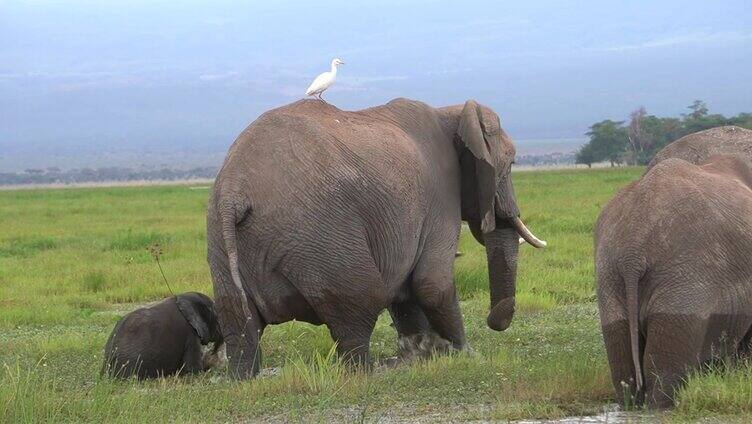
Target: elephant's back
[
  {"x": 672, "y": 195},
  {"x": 699, "y": 146},
  {"x": 311, "y": 162}
]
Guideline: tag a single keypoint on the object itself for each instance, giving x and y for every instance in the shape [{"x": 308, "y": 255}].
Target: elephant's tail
[
  {"x": 227, "y": 216},
  {"x": 631, "y": 291}
]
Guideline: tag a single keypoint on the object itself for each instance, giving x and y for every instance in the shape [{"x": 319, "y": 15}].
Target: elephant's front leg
[
  {"x": 416, "y": 337},
  {"x": 408, "y": 318}
]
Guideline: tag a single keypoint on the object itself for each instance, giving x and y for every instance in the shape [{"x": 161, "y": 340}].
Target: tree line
[
  {"x": 55, "y": 175},
  {"x": 637, "y": 141}
]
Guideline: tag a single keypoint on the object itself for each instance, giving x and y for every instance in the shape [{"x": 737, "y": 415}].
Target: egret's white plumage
[{"x": 323, "y": 81}]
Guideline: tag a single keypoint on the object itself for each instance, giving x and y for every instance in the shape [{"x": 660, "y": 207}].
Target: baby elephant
[{"x": 164, "y": 339}]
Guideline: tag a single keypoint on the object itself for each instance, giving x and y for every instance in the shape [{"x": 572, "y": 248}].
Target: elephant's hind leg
[
  {"x": 673, "y": 347},
  {"x": 241, "y": 334},
  {"x": 351, "y": 320},
  {"x": 350, "y": 308},
  {"x": 353, "y": 338},
  {"x": 244, "y": 354},
  {"x": 619, "y": 352},
  {"x": 613, "y": 313},
  {"x": 744, "y": 349}
]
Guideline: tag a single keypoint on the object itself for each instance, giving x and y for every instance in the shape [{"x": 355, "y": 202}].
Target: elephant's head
[
  {"x": 198, "y": 310},
  {"x": 489, "y": 204}
]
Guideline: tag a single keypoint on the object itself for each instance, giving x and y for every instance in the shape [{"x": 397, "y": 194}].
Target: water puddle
[{"x": 611, "y": 415}]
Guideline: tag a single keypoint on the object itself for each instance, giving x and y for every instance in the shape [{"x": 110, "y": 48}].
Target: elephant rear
[
  {"x": 304, "y": 187},
  {"x": 667, "y": 256},
  {"x": 631, "y": 250}
]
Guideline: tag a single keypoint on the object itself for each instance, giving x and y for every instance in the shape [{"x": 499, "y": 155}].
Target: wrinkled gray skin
[
  {"x": 674, "y": 275},
  {"x": 164, "y": 338},
  {"x": 698, "y": 147},
  {"x": 329, "y": 217}
]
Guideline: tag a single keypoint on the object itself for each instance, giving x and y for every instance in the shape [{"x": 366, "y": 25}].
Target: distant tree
[
  {"x": 646, "y": 134},
  {"x": 742, "y": 120},
  {"x": 585, "y": 155},
  {"x": 608, "y": 140},
  {"x": 639, "y": 140},
  {"x": 700, "y": 119},
  {"x": 698, "y": 108}
]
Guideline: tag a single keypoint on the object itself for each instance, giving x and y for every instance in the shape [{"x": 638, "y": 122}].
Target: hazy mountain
[{"x": 173, "y": 80}]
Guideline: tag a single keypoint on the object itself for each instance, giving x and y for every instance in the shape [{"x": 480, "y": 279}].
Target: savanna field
[{"x": 72, "y": 261}]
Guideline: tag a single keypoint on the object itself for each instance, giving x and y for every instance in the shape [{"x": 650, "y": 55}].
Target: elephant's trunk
[{"x": 501, "y": 250}]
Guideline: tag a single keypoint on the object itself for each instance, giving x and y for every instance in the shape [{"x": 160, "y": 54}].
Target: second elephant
[
  {"x": 698, "y": 147},
  {"x": 674, "y": 277}
]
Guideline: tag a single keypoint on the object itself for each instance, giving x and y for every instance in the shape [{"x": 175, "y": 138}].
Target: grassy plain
[{"x": 74, "y": 260}]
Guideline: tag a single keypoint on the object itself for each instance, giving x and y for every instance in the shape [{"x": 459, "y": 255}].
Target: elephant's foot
[
  {"x": 422, "y": 346},
  {"x": 355, "y": 355}
]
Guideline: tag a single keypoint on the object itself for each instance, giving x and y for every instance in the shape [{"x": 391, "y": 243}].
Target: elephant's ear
[
  {"x": 479, "y": 167},
  {"x": 190, "y": 307}
]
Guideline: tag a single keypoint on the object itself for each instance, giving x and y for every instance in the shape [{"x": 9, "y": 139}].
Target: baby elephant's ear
[{"x": 190, "y": 307}]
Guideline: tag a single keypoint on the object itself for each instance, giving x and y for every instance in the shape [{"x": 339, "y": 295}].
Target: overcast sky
[{"x": 98, "y": 73}]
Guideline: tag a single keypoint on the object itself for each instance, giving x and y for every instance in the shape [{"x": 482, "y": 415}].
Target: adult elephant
[
  {"x": 698, "y": 147},
  {"x": 674, "y": 279},
  {"x": 329, "y": 217}
]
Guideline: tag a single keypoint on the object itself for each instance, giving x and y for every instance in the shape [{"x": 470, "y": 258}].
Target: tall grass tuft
[
  {"x": 133, "y": 240},
  {"x": 94, "y": 281},
  {"x": 323, "y": 373},
  {"x": 25, "y": 247},
  {"x": 722, "y": 389},
  {"x": 21, "y": 399}
]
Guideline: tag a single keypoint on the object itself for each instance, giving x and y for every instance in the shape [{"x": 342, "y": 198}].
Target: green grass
[{"x": 72, "y": 261}]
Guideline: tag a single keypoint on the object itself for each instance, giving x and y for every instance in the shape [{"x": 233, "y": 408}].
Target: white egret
[{"x": 323, "y": 81}]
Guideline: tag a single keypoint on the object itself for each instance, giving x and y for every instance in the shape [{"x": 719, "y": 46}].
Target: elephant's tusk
[
  {"x": 522, "y": 240},
  {"x": 526, "y": 234}
]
